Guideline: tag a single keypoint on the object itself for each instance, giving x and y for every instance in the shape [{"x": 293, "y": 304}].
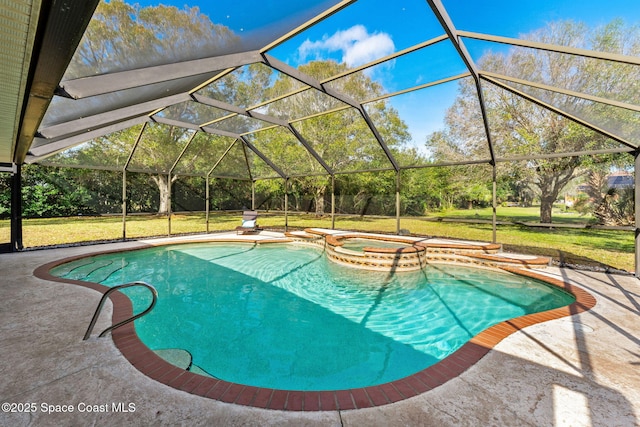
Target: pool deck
[{"x": 582, "y": 370}]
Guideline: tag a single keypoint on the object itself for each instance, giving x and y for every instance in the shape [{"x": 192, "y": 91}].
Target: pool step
[
  {"x": 90, "y": 270},
  {"x": 305, "y": 238},
  {"x": 176, "y": 356},
  {"x": 101, "y": 274},
  {"x": 83, "y": 272},
  {"x": 67, "y": 268},
  {"x": 491, "y": 260},
  {"x": 513, "y": 260},
  {"x": 460, "y": 248},
  {"x": 198, "y": 370},
  {"x": 182, "y": 359}
]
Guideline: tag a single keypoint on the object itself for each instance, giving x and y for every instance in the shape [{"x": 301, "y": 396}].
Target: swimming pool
[{"x": 283, "y": 317}]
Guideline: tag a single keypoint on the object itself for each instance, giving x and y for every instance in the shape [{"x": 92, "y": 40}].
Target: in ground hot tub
[
  {"x": 405, "y": 253},
  {"x": 374, "y": 252}
]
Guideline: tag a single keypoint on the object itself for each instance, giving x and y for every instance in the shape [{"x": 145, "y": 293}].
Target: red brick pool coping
[{"x": 153, "y": 366}]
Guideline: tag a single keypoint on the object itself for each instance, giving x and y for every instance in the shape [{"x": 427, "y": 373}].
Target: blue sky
[{"x": 370, "y": 29}]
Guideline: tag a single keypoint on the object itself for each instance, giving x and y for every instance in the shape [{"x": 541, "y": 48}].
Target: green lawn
[
  {"x": 516, "y": 214},
  {"x": 575, "y": 246}
]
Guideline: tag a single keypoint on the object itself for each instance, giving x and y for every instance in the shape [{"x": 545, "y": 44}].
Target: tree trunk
[
  {"x": 546, "y": 206},
  {"x": 164, "y": 188},
  {"x": 551, "y": 181},
  {"x": 320, "y": 204},
  {"x": 319, "y": 198},
  {"x": 366, "y": 206}
]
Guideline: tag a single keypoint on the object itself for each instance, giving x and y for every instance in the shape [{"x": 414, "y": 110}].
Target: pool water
[
  {"x": 284, "y": 317},
  {"x": 357, "y": 244}
]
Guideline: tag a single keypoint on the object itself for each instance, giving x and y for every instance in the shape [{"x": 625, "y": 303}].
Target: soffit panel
[{"x": 18, "y": 21}]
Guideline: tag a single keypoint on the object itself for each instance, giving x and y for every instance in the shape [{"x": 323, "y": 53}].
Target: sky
[{"x": 371, "y": 29}]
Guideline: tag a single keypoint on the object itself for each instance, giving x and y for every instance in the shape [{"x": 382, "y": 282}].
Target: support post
[
  {"x": 124, "y": 204},
  {"x": 333, "y": 202},
  {"x": 397, "y": 202},
  {"x": 169, "y": 190},
  {"x": 494, "y": 203},
  {"x": 253, "y": 195},
  {"x": 636, "y": 206},
  {"x": 207, "y": 201},
  {"x": 16, "y": 208},
  {"x": 124, "y": 180},
  {"x": 286, "y": 205}
]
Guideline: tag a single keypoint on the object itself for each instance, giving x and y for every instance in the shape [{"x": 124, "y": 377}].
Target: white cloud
[{"x": 356, "y": 45}]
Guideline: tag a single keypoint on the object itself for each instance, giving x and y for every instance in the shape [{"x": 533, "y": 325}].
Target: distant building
[{"x": 620, "y": 180}]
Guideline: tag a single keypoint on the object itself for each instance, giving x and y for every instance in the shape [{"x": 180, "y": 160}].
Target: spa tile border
[{"x": 156, "y": 368}]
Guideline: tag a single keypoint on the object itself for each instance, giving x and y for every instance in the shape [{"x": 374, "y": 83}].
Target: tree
[
  {"x": 341, "y": 138},
  {"x": 122, "y": 37},
  {"x": 51, "y": 192},
  {"x": 610, "y": 203},
  {"x": 520, "y": 127}
]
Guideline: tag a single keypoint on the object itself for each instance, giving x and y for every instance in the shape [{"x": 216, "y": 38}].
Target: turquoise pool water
[
  {"x": 357, "y": 244},
  {"x": 284, "y": 317}
]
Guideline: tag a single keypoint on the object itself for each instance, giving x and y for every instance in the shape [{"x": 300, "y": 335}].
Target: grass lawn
[
  {"x": 574, "y": 246},
  {"x": 516, "y": 214}
]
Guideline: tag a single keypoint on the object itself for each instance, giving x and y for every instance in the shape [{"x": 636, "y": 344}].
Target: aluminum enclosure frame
[{"x": 59, "y": 34}]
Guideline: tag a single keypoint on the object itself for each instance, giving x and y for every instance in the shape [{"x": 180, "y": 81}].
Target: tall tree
[
  {"x": 341, "y": 138},
  {"x": 520, "y": 127},
  {"x": 122, "y": 36}
]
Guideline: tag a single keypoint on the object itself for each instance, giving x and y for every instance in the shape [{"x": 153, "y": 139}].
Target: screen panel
[
  {"x": 108, "y": 152},
  {"x": 343, "y": 140},
  {"x": 159, "y": 148},
  {"x": 283, "y": 148}
]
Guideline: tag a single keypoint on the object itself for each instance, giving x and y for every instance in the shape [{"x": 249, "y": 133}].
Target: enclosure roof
[{"x": 238, "y": 88}]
